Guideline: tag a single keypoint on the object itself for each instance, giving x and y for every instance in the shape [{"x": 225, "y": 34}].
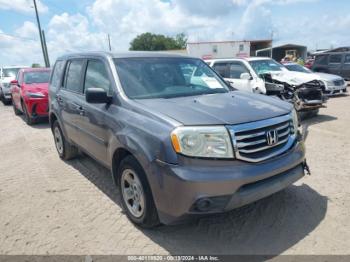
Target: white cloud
[
  {"x": 22, "y": 6},
  {"x": 28, "y": 30}
]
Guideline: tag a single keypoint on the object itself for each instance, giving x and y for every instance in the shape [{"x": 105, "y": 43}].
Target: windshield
[
  {"x": 298, "y": 68},
  {"x": 167, "y": 77},
  {"x": 10, "y": 72},
  {"x": 266, "y": 66},
  {"x": 36, "y": 77}
]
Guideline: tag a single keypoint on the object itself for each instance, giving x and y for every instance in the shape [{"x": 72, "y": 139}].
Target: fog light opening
[{"x": 204, "y": 204}]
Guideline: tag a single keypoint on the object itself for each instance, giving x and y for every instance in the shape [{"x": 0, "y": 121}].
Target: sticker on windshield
[{"x": 211, "y": 82}]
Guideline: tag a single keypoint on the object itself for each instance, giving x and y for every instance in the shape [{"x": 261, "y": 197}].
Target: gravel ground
[{"x": 48, "y": 206}]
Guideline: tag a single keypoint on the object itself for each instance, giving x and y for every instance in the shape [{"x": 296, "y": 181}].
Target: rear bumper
[{"x": 199, "y": 187}]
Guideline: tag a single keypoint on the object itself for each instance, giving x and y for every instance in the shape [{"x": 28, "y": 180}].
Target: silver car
[
  {"x": 333, "y": 84},
  {"x": 7, "y": 74}
]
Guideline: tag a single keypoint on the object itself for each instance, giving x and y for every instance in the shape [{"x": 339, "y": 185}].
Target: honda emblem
[{"x": 272, "y": 137}]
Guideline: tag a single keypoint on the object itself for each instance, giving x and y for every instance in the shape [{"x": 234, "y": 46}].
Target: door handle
[
  {"x": 59, "y": 99},
  {"x": 80, "y": 109}
]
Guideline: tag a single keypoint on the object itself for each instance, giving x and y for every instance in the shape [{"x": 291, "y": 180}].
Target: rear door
[
  {"x": 69, "y": 96},
  {"x": 334, "y": 64},
  {"x": 345, "y": 72},
  {"x": 92, "y": 121}
]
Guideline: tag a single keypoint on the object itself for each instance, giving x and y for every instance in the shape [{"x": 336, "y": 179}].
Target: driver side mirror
[
  {"x": 14, "y": 82},
  {"x": 246, "y": 76},
  {"x": 97, "y": 96}
]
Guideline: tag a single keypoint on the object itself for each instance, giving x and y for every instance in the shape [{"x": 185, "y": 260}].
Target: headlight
[
  {"x": 329, "y": 83},
  {"x": 201, "y": 141},
  {"x": 295, "y": 121},
  {"x": 35, "y": 95}
]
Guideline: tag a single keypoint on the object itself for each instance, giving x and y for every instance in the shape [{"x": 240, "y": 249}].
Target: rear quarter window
[{"x": 57, "y": 75}]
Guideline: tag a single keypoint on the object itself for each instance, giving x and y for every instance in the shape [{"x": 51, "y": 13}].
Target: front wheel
[
  {"x": 15, "y": 109},
  {"x": 135, "y": 193},
  {"x": 29, "y": 120}
]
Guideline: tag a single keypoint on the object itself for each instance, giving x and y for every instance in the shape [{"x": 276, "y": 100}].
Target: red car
[{"x": 30, "y": 93}]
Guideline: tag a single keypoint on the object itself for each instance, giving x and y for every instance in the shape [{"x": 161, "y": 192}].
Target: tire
[
  {"x": 132, "y": 181},
  {"x": 64, "y": 149},
  {"x": 15, "y": 109},
  {"x": 27, "y": 118}
]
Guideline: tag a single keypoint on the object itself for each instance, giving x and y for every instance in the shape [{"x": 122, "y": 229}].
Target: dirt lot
[{"x": 56, "y": 207}]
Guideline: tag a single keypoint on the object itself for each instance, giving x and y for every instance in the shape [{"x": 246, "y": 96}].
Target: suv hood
[
  {"x": 217, "y": 109},
  {"x": 293, "y": 78}
]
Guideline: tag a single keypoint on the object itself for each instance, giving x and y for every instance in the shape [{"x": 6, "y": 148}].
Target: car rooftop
[
  {"x": 34, "y": 69},
  {"x": 238, "y": 58},
  {"x": 128, "y": 54}
]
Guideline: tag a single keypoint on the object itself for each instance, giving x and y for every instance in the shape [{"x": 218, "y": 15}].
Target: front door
[
  {"x": 92, "y": 121},
  {"x": 231, "y": 71},
  {"x": 334, "y": 64}
]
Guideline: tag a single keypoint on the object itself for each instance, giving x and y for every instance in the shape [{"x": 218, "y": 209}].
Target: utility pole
[
  {"x": 40, "y": 34},
  {"x": 271, "y": 43},
  {"x": 45, "y": 49},
  {"x": 109, "y": 42}
]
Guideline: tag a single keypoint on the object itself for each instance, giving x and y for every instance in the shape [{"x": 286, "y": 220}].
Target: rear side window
[
  {"x": 73, "y": 77},
  {"x": 57, "y": 74},
  {"x": 321, "y": 60},
  {"x": 335, "y": 59},
  {"x": 222, "y": 69},
  {"x": 97, "y": 76}
]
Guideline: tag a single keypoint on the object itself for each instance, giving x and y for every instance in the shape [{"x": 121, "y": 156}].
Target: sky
[{"x": 83, "y": 25}]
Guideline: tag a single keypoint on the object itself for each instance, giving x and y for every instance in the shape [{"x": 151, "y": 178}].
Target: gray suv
[{"x": 178, "y": 141}]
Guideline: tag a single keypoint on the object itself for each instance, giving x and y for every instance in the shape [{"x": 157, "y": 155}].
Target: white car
[
  {"x": 333, "y": 84},
  {"x": 7, "y": 74},
  {"x": 264, "y": 75},
  {"x": 245, "y": 73}
]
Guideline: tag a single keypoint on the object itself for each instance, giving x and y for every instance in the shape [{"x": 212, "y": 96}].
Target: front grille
[
  {"x": 310, "y": 94},
  {"x": 339, "y": 82},
  {"x": 250, "y": 140}
]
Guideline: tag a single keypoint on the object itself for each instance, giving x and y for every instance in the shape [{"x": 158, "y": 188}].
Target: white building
[{"x": 226, "y": 49}]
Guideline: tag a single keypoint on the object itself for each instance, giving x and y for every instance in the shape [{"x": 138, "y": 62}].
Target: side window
[
  {"x": 347, "y": 59},
  {"x": 321, "y": 60},
  {"x": 74, "y": 75},
  {"x": 222, "y": 69},
  {"x": 57, "y": 74},
  {"x": 335, "y": 59},
  {"x": 236, "y": 69},
  {"x": 97, "y": 76}
]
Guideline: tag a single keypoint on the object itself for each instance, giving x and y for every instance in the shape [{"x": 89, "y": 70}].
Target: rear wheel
[
  {"x": 135, "y": 193},
  {"x": 64, "y": 149}
]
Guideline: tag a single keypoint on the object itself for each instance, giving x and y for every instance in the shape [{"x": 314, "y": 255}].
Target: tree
[
  {"x": 153, "y": 42},
  {"x": 36, "y": 65}
]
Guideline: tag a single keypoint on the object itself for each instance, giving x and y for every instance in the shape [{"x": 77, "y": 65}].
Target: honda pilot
[{"x": 180, "y": 143}]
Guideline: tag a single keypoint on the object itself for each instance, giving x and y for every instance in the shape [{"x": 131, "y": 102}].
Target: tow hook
[{"x": 306, "y": 168}]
